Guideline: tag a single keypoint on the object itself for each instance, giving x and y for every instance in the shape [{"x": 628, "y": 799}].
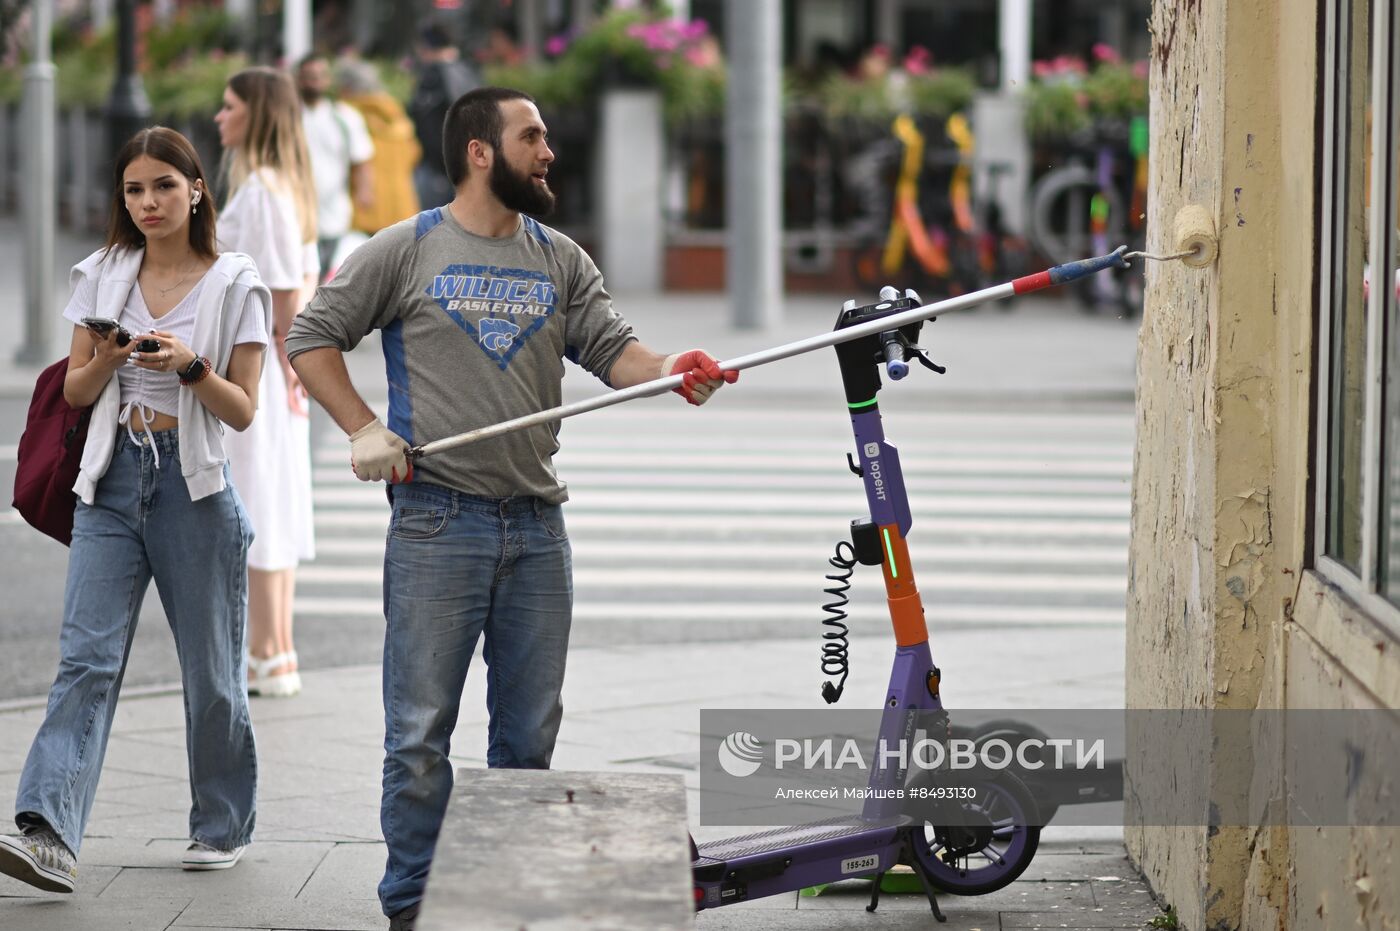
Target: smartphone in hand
[
  {"x": 104, "y": 325},
  {"x": 149, "y": 344}
]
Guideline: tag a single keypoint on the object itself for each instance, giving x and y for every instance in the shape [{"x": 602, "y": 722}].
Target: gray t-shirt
[{"x": 475, "y": 331}]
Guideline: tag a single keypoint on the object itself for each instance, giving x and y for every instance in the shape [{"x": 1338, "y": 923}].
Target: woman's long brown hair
[{"x": 163, "y": 145}]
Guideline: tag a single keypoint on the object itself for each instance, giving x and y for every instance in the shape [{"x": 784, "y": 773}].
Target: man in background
[
  {"x": 442, "y": 78},
  {"x": 341, "y": 151}
]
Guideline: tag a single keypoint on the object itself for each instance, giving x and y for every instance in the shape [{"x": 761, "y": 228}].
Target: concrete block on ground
[{"x": 543, "y": 849}]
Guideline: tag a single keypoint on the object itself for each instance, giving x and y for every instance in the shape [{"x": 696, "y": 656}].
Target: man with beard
[
  {"x": 340, "y": 148},
  {"x": 478, "y": 304}
]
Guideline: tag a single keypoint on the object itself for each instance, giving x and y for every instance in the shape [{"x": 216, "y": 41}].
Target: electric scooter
[{"x": 992, "y": 836}]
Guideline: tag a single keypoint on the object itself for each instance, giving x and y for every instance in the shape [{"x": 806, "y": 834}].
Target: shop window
[{"x": 1358, "y": 492}]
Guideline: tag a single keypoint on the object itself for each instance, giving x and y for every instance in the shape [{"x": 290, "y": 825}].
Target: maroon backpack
[{"x": 50, "y": 452}]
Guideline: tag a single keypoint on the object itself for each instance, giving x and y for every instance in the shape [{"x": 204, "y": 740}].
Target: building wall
[{"x": 1220, "y": 605}]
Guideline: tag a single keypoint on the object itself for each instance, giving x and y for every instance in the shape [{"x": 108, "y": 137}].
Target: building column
[
  {"x": 753, "y": 166},
  {"x": 296, "y": 30},
  {"x": 38, "y": 192},
  {"x": 1221, "y": 462},
  {"x": 1014, "y": 27}
]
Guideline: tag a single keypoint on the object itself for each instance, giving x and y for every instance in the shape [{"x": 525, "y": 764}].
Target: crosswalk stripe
[
  {"x": 1009, "y": 526},
  {"x": 597, "y": 610},
  {"x": 640, "y": 578},
  {"x": 778, "y": 502},
  {"x": 943, "y": 482},
  {"x": 820, "y": 455},
  {"x": 1112, "y": 558},
  {"x": 729, "y": 518}
]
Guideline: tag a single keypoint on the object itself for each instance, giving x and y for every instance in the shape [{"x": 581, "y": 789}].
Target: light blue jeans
[
  {"x": 140, "y": 525},
  {"x": 458, "y": 567}
]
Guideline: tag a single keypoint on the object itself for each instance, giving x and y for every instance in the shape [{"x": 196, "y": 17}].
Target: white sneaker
[
  {"x": 282, "y": 685},
  {"x": 203, "y": 857},
  {"x": 39, "y": 859}
]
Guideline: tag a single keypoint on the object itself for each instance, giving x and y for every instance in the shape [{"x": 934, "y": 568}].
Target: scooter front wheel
[{"x": 987, "y": 842}]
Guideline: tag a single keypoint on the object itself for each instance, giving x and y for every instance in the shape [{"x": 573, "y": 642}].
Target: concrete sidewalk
[{"x": 317, "y": 855}]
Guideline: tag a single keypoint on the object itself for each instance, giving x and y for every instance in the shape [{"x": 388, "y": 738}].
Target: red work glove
[{"x": 703, "y": 376}]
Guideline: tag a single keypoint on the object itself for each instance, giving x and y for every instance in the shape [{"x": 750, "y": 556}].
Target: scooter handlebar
[{"x": 894, "y": 356}]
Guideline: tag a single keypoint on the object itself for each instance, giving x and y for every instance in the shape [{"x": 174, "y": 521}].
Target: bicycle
[
  {"x": 965, "y": 247},
  {"x": 1075, "y": 208}
]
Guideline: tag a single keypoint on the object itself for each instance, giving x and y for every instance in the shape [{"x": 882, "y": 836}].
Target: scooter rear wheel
[{"x": 993, "y": 842}]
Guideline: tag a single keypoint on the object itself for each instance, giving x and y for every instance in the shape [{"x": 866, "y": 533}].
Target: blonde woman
[{"x": 271, "y": 216}]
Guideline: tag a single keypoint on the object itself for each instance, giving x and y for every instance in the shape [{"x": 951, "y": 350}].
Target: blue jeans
[
  {"x": 457, "y": 567},
  {"x": 140, "y": 525}
]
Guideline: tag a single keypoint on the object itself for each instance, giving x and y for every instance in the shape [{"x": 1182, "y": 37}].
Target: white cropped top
[{"x": 145, "y": 391}]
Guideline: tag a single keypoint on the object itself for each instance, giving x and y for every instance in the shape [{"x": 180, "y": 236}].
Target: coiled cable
[{"x": 835, "y": 642}]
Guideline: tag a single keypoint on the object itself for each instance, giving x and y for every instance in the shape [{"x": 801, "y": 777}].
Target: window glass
[
  {"x": 1389, "y": 519},
  {"x": 1347, "y": 388}
]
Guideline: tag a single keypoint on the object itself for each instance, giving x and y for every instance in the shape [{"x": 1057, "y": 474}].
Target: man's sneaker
[
  {"x": 405, "y": 920},
  {"x": 203, "y": 857},
  {"x": 40, "y": 859}
]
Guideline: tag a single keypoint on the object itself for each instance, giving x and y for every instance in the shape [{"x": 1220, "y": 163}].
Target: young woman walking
[{"x": 155, "y": 501}]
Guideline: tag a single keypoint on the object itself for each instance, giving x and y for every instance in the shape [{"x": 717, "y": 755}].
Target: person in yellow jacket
[{"x": 396, "y": 148}]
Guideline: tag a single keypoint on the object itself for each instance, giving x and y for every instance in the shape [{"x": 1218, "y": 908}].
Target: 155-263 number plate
[{"x": 860, "y": 864}]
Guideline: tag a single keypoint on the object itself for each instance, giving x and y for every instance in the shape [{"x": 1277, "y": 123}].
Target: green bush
[
  {"x": 936, "y": 93},
  {"x": 190, "y": 34},
  {"x": 397, "y": 78},
  {"x": 193, "y": 88},
  {"x": 1055, "y": 109},
  {"x": 85, "y": 77},
  {"x": 11, "y": 85},
  {"x": 1067, "y": 98},
  {"x": 627, "y": 47}
]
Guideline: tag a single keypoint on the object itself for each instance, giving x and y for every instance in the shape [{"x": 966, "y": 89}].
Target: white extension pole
[{"x": 752, "y": 360}]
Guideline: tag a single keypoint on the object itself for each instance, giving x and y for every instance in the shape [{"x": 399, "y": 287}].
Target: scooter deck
[
  {"x": 749, "y": 845},
  {"x": 767, "y": 863}
]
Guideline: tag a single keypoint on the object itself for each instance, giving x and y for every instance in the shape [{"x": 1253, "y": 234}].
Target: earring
[{"x": 194, "y": 202}]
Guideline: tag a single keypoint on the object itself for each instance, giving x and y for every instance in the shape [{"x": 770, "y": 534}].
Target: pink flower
[
  {"x": 1140, "y": 69},
  {"x": 1041, "y": 69},
  {"x": 1104, "y": 52},
  {"x": 918, "y": 60},
  {"x": 556, "y": 45}
]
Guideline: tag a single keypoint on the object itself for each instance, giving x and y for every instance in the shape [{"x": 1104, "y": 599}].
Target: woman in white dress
[{"x": 271, "y": 216}]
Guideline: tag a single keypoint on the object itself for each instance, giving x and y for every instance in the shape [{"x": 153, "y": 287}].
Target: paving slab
[
  {"x": 282, "y": 915},
  {"x": 268, "y": 870},
  {"x": 88, "y": 914},
  {"x": 347, "y": 871}
]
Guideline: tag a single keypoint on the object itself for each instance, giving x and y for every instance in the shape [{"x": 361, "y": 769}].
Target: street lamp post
[
  {"x": 128, "y": 109},
  {"x": 753, "y": 163},
  {"x": 38, "y": 197}
]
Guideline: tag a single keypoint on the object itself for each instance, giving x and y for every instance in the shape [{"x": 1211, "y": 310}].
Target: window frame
[{"x": 1363, "y": 589}]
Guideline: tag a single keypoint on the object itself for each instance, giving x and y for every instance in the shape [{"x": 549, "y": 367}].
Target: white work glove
[
  {"x": 378, "y": 454},
  {"x": 703, "y": 376}
]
